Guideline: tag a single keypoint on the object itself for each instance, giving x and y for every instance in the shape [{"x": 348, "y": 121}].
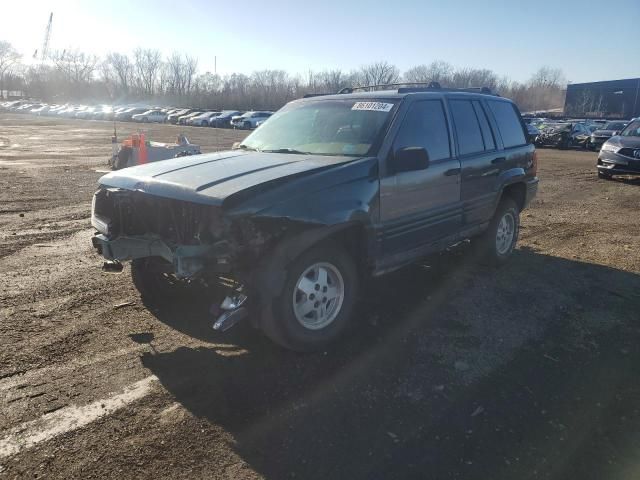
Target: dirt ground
[{"x": 452, "y": 370}]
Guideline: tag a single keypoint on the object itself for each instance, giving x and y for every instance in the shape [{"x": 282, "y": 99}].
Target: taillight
[{"x": 534, "y": 163}]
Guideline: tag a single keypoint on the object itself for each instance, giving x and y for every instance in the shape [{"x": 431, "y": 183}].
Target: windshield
[
  {"x": 614, "y": 126},
  {"x": 632, "y": 130},
  {"x": 325, "y": 127}
]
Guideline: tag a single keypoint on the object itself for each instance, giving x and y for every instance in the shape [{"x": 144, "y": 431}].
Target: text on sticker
[{"x": 373, "y": 106}]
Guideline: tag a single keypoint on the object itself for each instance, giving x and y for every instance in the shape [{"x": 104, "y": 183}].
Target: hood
[
  {"x": 624, "y": 142},
  {"x": 603, "y": 133},
  {"x": 211, "y": 178}
]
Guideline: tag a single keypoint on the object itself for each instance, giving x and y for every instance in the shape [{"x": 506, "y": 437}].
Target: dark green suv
[{"x": 331, "y": 188}]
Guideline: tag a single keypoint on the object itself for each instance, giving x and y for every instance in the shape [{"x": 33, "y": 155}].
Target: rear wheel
[
  {"x": 497, "y": 244},
  {"x": 317, "y": 300}
]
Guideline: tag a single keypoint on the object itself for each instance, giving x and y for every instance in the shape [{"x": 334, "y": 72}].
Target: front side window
[
  {"x": 425, "y": 125},
  {"x": 614, "y": 126},
  {"x": 632, "y": 130},
  {"x": 508, "y": 123},
  {"x": 323, "y": 127}
]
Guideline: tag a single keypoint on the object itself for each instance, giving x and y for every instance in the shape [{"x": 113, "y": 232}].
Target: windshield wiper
[
  {"x": 286, "y": 150},
  {"x": 242, "y": 146}
]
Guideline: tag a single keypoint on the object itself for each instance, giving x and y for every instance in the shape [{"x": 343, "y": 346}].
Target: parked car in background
[
  {"x": 105, "y": 112},
  {"x": 563, "y": 135},
  {"x": 70, "y": 111},
  {"x": 223, "y": 120},
  {"x": 183, "y": 119},
  {"x": 173, "y": 117},
  {"x": 202, "y": 120},
  {"x": 126, "y": 115},
  {"x": 39, "y": 110},
  {"x": 85, "y": 113},
  {"x": 604, "y": 133},
  {"x": 249, "y": 119},
  {"x": 150, "y": 116},
  {"x": 532, "y": 131},
  {"x": 620, "y": 154}
]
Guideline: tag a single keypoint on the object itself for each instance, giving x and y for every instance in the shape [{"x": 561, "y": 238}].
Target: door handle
[
  {"x": 452, "y": 171},
  {"x": 495, "y": 161}
]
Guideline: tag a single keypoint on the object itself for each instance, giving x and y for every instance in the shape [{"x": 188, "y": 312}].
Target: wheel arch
[
  {"x": 517, "y": 192},
  {"x": 267, "y": 279}
]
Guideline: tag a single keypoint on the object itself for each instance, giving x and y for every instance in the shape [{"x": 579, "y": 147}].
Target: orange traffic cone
[{"x": 143, "y": 150}]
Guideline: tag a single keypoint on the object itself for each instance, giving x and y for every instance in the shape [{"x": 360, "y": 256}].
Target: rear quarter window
[{"x": 508, "y": 123}]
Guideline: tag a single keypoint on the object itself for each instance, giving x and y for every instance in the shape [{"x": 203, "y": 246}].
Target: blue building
[{"x": 608, "y": 99}]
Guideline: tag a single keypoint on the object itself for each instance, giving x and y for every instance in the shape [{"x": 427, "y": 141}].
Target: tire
[
  {"x": 155, "y": 287},
  {"x": 493, "y": 247},
  {"x": 328, "y": 316},
  {"x": 603, "y": 176},
  {"x": 564, "y": 143}
]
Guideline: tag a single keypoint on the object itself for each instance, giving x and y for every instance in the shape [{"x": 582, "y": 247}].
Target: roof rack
[
  {"x": 310, "y": 95},
  {"x": 410, "y": 87}
]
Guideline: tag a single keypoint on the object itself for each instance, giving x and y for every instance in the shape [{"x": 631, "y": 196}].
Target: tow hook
[
  {"x": 233, "y": 312},
  {"x": 112, "y": 266}
]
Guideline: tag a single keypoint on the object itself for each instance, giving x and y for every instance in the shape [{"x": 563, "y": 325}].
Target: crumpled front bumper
[{"x": 187, "y": 260}]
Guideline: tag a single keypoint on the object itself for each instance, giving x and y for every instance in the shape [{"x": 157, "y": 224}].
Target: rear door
[
  {"x": 481, "y": 159},
  {"x": 421, "y": 206}
]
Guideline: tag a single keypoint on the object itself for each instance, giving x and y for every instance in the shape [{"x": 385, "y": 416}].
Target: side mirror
[{"x": 408, "y": 159}]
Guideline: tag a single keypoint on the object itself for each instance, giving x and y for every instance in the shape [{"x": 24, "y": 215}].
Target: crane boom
[{"x": 44, "y": 51}]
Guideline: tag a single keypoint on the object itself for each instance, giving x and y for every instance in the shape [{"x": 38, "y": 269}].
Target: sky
[{"x": 589, "y": 40}]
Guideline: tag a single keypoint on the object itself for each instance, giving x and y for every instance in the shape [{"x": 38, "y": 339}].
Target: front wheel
[
  {"x": 604, "y": 176},
  {"x": 153, "y": 278},
  {"x": 317, "y": 300},
  {"x": 497, "y": 244}
]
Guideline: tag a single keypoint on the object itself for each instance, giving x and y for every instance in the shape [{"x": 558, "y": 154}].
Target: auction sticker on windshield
[{"x": 373, "y": 106}]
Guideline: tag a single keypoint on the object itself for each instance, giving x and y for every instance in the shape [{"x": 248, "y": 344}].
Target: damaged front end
[
  {"x": 196, "y": 241},
  {"x": 133, "y": 225}
]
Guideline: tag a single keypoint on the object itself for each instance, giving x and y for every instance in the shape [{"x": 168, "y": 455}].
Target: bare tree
[
  {"x": 147, "y": 65},
  {"x": 437, "y": 71},
  {"x": 9, "y": 57},
  {"x": 190, "y": 69},
  {"x": 120, "y": 68},
  {"x": 547, "y": 77},
  {"x": 145, "y": 76},
  {"x": 378, "y": 73}
]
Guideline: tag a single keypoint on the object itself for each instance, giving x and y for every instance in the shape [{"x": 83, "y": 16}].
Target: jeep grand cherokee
[{"x": 331, "y": 188}]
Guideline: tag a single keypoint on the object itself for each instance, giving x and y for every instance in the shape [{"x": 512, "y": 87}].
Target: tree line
[{"x": 146, "y": 76}]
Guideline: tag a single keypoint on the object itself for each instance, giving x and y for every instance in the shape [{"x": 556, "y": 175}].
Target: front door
[{"x": 421, "y": 206}]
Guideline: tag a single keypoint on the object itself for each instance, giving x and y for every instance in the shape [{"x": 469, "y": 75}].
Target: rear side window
[
  {"x": 487, "y": 134},
  {"x": 467, "y": 127},
  {"x": 425, "y": 126},
  {"x": 508, "y": 123}
]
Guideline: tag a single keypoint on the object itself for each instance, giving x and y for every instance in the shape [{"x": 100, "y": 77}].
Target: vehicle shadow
[
  {"x": 627, "y": 180},
  {"x": 378, "y": 404}
]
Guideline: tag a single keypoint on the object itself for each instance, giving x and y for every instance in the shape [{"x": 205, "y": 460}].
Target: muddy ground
[{"x": 452, "y": 369}]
